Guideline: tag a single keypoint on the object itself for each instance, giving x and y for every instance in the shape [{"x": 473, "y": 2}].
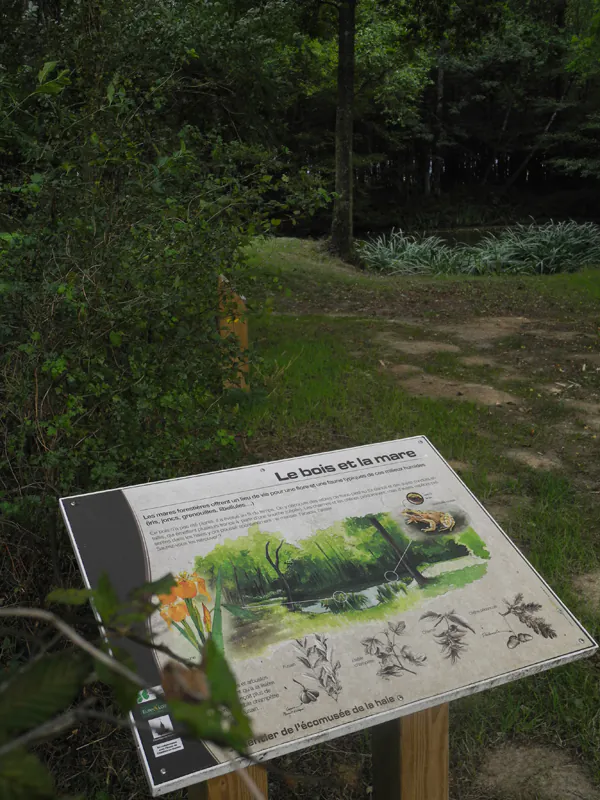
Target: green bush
[{"x": 119, "y": 228}]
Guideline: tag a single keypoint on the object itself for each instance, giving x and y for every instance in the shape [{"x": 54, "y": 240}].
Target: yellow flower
[
  {"x": 178, "y": 612},
  {"x": 206, "y": 618},
  {"x": 167, "y": 599},
  {"x": 201, "y": 584},
  {"x": 166, "y": 617},
  {"x": 185, "y": 589}
]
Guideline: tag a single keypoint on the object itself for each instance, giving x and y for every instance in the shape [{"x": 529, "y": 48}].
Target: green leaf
[
  {"x": 160, "y": 586},
  {"x": 24, "y": 777},
  {"x": 125, "y": 691},
  {"x": 221, "y": 717},
  {"x": 115, "y": 338},
  {"x": 238, "y": 611},
  {"x": 275, "y": 222},
  {"x": 204, "y": 721},
  {"x": 48, "y": 67},
  {"x": 69, "y": 597},
  {"x": 41, "y": 690},
  {"x": 217, "y": 621},
  {"x": 55, "y": 86},
  {"x": 105, "y": 598},
  {"x": 110, "y": 92},
  {"x": 223, "y": 688}
]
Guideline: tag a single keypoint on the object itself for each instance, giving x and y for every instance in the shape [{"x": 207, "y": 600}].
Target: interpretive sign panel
[{"x": 354, "y": 587}]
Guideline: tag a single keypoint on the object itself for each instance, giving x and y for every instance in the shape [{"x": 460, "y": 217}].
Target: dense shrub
[
  {"x": 520, "y": 249},
  {"x": 119, "y": 226}
]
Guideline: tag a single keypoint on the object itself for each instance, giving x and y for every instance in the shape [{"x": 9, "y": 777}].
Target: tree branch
[{"x": 277, "y": 555}]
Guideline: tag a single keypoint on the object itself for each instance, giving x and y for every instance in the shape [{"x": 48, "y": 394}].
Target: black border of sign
[{"x": 217, "y": 769}]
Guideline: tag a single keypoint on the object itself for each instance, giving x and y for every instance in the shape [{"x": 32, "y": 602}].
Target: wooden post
[
  {"x": 230, "y": 786},
  {"x": 232, "y": 320},
  {"x": 410, "y": 757}
]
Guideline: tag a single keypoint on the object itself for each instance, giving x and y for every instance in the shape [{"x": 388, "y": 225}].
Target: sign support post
[
  {"x": 410, "y": 757},
  {"x": 233, "y": 321},
  {"x": 231, "y": 786}
]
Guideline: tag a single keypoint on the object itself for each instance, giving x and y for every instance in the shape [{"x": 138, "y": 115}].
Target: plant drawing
[
  {"x": 392, "y": 659},
  {"x": 318, "y": 659},
  {"x": 185, "y": 609},
  {"x": 526, "y": 614},
  {"x": 307, "y": 695},
  {"x": 515, "y": 639},
  {"x": 450, "y": 639}
]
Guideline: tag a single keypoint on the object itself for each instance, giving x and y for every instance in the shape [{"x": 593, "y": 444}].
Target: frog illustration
[{"x": 438, "y": 521}]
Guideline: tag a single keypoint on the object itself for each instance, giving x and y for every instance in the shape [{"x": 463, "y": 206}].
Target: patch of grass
[
  {"x": 320, "y": 396},
  {"x": 304, "y": 277}
]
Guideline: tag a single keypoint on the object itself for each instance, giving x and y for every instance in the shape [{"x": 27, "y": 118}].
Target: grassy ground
[{"x": 331, "y": 381}]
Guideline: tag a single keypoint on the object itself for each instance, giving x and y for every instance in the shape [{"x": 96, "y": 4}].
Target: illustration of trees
[
  {"x": 280, "y": 575},
  {"x": 404, "y": 555}
]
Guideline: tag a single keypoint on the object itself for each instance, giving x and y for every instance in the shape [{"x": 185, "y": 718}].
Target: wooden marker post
[
  {"x": 410, "y": 757},
  {"x": 231, "y": 786},
  {"x": 233, "y": 320}
]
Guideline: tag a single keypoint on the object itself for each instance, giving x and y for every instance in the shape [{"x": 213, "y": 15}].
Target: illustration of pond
[
  {"x": 357, "y": 569},
  {"x": 274, "y": 621}
]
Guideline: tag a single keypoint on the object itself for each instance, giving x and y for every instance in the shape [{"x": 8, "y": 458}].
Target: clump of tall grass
[
  {"x": 388, "y": 591},
  {"x": 520, "y": 249},
  {"x": 540, "y": 249},
  {"x": 353, "y": 602},
  {"x": 399, "y": 254}
]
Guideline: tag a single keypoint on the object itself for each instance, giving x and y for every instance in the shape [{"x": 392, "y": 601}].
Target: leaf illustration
[
  {"x": 513, "y": 641},
  {"x": 390, "y": 670},
  {"x": 430, "y": 615},
  {"x": 459, "y": 621},
  {"x": 397, "y": 627},
  {"x": 413, "y": 658},
  {"x": 372, "y": 645},
  {"x": 531, "y": 608},
  {"x": 518, "y": 598},
  {"x": 305, "y": 661}
]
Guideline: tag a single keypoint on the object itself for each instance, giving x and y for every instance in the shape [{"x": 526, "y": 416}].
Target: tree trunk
[
  {"x": 438, "y": 127},
  {"x": 540, "y": 140},
  {"x": 412, "y": 571},
  {"x": 280, "y": 575},
  {"x": 261, "y": 581},
  {"x": 341, "y": 226},
  {"x": 494, "y": 157},
  {"x": 237, "y": 585}
]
